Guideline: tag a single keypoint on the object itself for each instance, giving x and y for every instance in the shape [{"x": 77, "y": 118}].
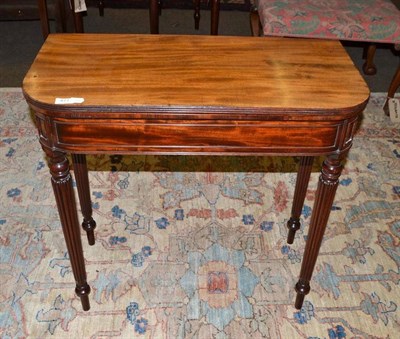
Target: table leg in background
[
  {"x": 303, "y": 177},
  {"x": 82, "y": 184}
]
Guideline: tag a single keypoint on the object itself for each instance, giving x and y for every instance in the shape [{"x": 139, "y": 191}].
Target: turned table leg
[
  {"x": 64, "y": 194},
  {"x": 82, "y": 183},
  {"x": 328, "y": 183},
  {"x": 303, "y": 177}
]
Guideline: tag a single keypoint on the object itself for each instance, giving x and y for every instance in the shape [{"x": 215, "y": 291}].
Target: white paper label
[
  {"x": 394, "y": 109},
  {"x": 63, "y": 101},
  {"x": 80, "y": 6}
]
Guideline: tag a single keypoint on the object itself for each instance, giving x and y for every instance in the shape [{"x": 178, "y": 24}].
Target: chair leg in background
[
  {"x": 44, "y": 18},
  {"x": 154, "y": 10},
  {"x": 369, "y": 67},
  {"x": 255, "y": 23},
  {"x": 394, "y": 85},
  {"x": 214, "y": 16}
]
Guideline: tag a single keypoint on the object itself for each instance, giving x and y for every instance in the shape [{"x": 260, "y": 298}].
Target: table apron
[{"x": 195, "y": 137}]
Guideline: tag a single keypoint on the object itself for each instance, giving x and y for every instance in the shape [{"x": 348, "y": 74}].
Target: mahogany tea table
[{"x": 197, "y": 95}]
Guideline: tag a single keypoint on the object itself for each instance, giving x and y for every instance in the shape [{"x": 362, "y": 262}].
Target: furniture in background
[
  {"x": 43, "y": 10},
  {"x": 155, "y": 11},
  {"x": 34, "y": 10},
  {"x": 369, "y": 21},
  {"x": 293, "y": 102}
]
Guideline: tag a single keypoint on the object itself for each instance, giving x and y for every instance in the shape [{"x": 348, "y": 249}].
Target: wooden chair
[
  {"x": 370, "y": 21},
  {"x": 42, "y": 10},
  {"x": 34, "y": 10},
  {"x": 155, "y": 11}
]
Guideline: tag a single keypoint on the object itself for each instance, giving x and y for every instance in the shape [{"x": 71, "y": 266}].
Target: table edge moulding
[{"x": 193, "y": 95}]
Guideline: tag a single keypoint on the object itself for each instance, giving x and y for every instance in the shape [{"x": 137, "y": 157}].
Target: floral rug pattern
[
  {"x": 353, "y": 20},
  {"x": 195, "y": 247}
]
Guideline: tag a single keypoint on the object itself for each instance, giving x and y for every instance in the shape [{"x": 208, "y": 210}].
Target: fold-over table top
[{"x": 131, "y": 73}]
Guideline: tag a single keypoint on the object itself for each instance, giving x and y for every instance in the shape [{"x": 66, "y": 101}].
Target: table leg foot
[
  {"x": 82, "y": 184},
  {"x": 303, "y": 177},
  {"x": 327, "y": 185},
  {"x": 293, "y": 226},
  {"x": 302, "y": 289},
  {"x": 65, "y": 198},
  {"x": 89, "y": 227},
  {"x": 83, "y": 293}
]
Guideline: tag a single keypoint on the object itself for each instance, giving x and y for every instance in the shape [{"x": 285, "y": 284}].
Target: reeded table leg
[
  {"x": 82, "y": 183},
  {"x": 64, "y": 194},
  {"x": 303, "y": 177},
  {"x": 328, "y": 182}
]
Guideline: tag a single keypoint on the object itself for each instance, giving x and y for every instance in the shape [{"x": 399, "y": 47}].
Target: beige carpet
[{"x": 194, "y": 247}]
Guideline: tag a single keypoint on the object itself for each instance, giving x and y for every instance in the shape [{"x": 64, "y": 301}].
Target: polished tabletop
[{"x": 208, "y": 73}]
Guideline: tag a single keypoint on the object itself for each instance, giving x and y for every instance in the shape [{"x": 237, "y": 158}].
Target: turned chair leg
[
  {"x": 369, "y": 67},
  {"x": 394, "y": 85},
  {"x": 255, "y": 22},
  {"x": 82, "y": 183},
  {"x": 303, "y": 177}
]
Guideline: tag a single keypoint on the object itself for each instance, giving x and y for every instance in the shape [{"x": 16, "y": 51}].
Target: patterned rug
[{"x": 195, "y": 247}]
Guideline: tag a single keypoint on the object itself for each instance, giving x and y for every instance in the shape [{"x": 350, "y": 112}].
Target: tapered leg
[
  {"x": 394, "y": 85},
  {"x": 303, "y": 177},
  {"x": 64, "y": 194},
  {"x": 369, "y": 67},
  {"x": 82, "y": 183},
  {"x": 328, "y": 182},
  {"x": 255, "y": 23},
  {"x": 154, "y": 12},
  {"x": 214, "y": 16}
]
